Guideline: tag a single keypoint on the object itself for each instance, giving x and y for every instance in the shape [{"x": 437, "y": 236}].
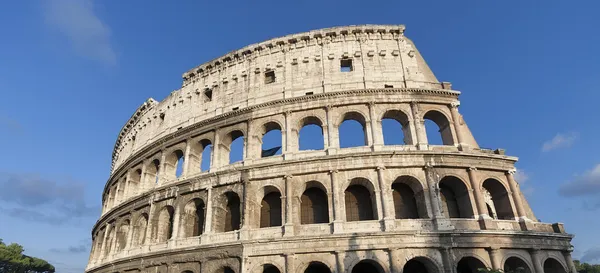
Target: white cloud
[
  {"x": 586, "y": 184},
  {"x": 87, "y": 33},
  {"x": 521, "y": 176},
  {"x": 559, "y": 141}
]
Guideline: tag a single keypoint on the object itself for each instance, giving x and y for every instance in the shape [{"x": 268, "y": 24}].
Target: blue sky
[{"x": 73, "y": 71}]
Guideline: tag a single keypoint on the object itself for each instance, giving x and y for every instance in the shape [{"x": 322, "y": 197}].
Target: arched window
[
  {"x": 352, "y": 131},
  {"x": 109, "y": 240},
  {"x": 496, "y": 197},
  {"x": 226, "y": 269},
  {"x": 165, "y": 224},
  {"x": 271, "y": 140},
  {"x": 438, "y": 128},
  {"x": 139, "y": 230},
  {"x": 311, "y": 134},
  {"x": 469, "y": 265},
  {"x": 193, "y": 218},
  {"x": 405, "y": 199},
  {"x": 152, "y": 173},
  {"x": 420, "y": 265},
  {"x": 368, "y": 266},
  {"x": 516, "y": 265},
  {"x": 174, "y": 165},
  {"x": 134, "y": 182},
  {"x": 111, "y": 196},
  {"x": 359, "y": 206},
  {"x": 236, "y": 146},
  {"x": 314, "y": 208},
  {"x": 229, "y": 218},
  {"x": 269, "y": 268},
  {"x": 317, "y": 267},
  {"x": 455, "y": 199},
  {"x": 121, "y": 189},
  {"x": 270, "y": 210},
  {"x": 553, "y": 266},
  {"x": 98, "y": 242},
  {"x": 396, "y": 130},
  {"x": 122, "y": 235}
]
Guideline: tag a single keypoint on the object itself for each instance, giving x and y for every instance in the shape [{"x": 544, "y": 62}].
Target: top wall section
[{"x": 378, "y": 56}]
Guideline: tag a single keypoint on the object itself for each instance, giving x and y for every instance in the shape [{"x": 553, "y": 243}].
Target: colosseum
[{"x": 179, "y": 201}]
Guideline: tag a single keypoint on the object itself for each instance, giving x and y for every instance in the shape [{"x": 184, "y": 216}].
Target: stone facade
[{"x": 415, "y": 207}]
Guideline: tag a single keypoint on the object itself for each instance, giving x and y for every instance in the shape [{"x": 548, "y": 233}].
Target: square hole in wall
[
  {"x": 208, "y": 94},
  {"x": 388, "y": 86},
  {"x": 235, "y": 108},
  {"x": 270, "y": 77},
  {"x": 309, "y": 93},
  {"x": 346, "y": 65}
]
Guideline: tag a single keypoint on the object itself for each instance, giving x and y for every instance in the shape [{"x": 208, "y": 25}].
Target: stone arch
[
  {"x": 225, "y": 269},
  {"x": 270, "y": 207},
  {"x": 402, "y": 119},
  {"x": 308, "y": 129},
  {"x": 421, "y": 264},
  {"x": 174, "y": 163},
  {"x": 316, "y": 267},
  {"x": 444, "y": 126},
  {"x": 552, "y": 265},
  {"x": 359, "y": 200},
  {"x": 455, "y": 198},
  {"x": 228, "y": 212},
  {"x": 367, "y": 265},
  {"x": 165, "y": 224},
  {"x": 470, "y": 264},
  {"x": 109, "y": 240},
  {"x": 152, "y": 172},
  {"x": 200, "y": 157},
  {"x": 98, "y": 244},
  {"x": 497, "y": 200},
  {"x": 228, "y": 140},
  {"x": 516, "y": 264},
  {"x": 270, "y": 268},
  {"x": 187, "y": 271},
  {"x": 192, "y": 220},
  {"x": 122, "y": 234},
  {"x": 266, "y": 128},
  {"x": 135, "y": 178},
  {"x": 409, "y": 198},
  {"x": 314, "y": 204},
  {"x": 139, "y": 230},
  {"x": 347, "y": 118}
]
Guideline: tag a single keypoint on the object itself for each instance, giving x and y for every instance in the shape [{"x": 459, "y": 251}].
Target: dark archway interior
[
  {"x": 317, "y": 267},
  {"x": 314, "y": 208},
  {"x": 469, "y": 265},
  {"x": 268, "y": 268},
  {"x": 516, "y": 265},
  {"x": 553, "y": 266},
  {"x": 366, "y": 267},
  {"x": 414, "y": 266}
]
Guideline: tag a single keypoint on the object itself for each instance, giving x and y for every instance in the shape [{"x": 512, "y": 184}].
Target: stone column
[
  {"x": 339, "y": 258},
  {"x": 129, "y": 235},
  {"x": 209, "y": 212},
  {"x": 176, "y": 222},
  {"x": 433, "y": 192},
  {"x": 289, "y": 221},
  {"x": 246, "y": 208},
  {"x": 289, "y": 263},
  {"x": 117, "y": 198},
  {"x": 376, "y": 135},
  {"x": 514, "y": 188},
  {"x": 420, "y": 135},
  {"x": 127, "y": 185},
  {"x": 536, "y": 260},
  {"x": 215, "y": 161},
  {"x": 457, "y": 127},
  {"x": 286, "y": 134},
  {"x": 162, "y": 167},
  {"x": 447, "y": 260},
  {"x": 495, "y": 258},
  {"x": 186, "y": 158},
  {"x": 247, "y": 155},
  {"x": 332, "y": 139},
  {"x": 388, "y": 218},
  {"x": 394, "y": 257},
  {"x": 479, "y": 202},
  {"x": 569, "y": 260},
  {"x": 104, "y": 239},
  {"x": 143, "y": 184},
  {"x": 337, "y": 204}
]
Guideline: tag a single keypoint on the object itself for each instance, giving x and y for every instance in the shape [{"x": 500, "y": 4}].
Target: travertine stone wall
[{"x": 387, "y": 208}]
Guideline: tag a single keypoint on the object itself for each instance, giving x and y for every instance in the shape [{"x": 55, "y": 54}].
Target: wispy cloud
[
  {"x": 33, "y": 198},
  {"x": 82, "y": 247},
  {"x": 560, "y": 141},
  {"x": 591, "y": 255},
  {"x": 88, "y": 34},
  {"x": 586, "y": 184},
  {"x": 522, "y": 177}
]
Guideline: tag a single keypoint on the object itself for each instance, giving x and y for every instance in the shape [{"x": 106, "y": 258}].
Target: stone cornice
[{"x": 304, "y": 38}]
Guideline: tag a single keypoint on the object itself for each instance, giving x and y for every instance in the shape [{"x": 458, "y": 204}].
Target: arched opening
[
  {"x": 236, "y": 146},
  {"x": 497, "y": 199},
  {"x": 310, "y": 136},
  {"x": 469, "y": 265},
  {"x": 269, "y": 268},
  {"x": 407, "y": 203},
  {"x": 122, "y": 235},
  {"x": 226, "y": 269},
  {"x": 111, "y": 196},
  {"x": 206, "y": 157},
  {"x": 352, "y": 131},
  {"x": 174, "y": 165},
  {"x": 134, "y": 182},
  {"x": 396, "y": 129},
  {"x": 270, "y": 210},
  {"x": 271, "y": 140},
  {"x": 553, "y": 266},
  {"x": 229, "y": 217},
  {"x": 121, "y": 189},
  {"x": 152, "y": 173},
  {"x": 165, "y": 224},
  {"x": 437, "y": 128},
  {"x": 109, "y": 240},
  {"x": 516, "y": 265},
  {"x": 420, "y": 265},
  {"x": 317, "y": 267},
  {"x": 368, "y": 266},
  {"x": 139, "y": 230},
  {"x": 98, "y": 242},
  {"x": 359, "y": 205},
  {"x": 314, "y": 207},
  {"x": 455, "y": 199},
  {"x": 187, "y": 271},
  {"x": 193, "y": 218}
]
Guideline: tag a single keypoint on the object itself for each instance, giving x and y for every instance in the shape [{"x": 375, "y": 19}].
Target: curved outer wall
[{"x": 377, "y": 207}]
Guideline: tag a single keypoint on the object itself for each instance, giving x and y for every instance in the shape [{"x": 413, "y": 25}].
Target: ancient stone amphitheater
[{"x": 174, "y": 202}]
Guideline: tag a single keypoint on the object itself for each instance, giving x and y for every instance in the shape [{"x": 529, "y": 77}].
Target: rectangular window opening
[
  {"x": 269, "y": 77},
  {"x": 346, "y": 65},
  {"x": 235, "y": 108},
  {"x": 388, "y": 86},
  {"x": 309, "y": 93},
  {"x": 208, "y": 93}
]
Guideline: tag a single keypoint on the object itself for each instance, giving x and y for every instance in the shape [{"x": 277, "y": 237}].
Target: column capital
[
  {"x": 287, "y": 113},
  {"x": 454, "y": 104},
  {"x": 333, "y": 171},
  {"x": 288, "y": 176},
  {"x": 511, "y": 171},
  {"x": 328, "y": 107},
  {"x": 381, "y": 168},
  {"x": 472, "y": 169},
  {"x": 371, "y": 103}
]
